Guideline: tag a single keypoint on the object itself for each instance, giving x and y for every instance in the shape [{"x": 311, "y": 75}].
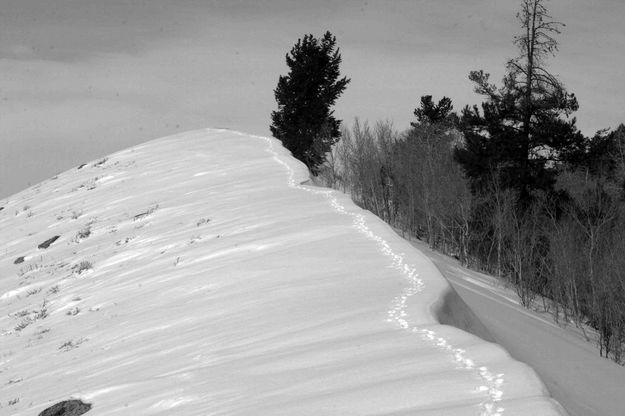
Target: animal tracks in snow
[{"x": 491, "y": 386}]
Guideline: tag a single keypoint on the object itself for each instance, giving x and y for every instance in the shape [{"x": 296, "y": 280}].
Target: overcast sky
[{"x": 83, "y": 78}]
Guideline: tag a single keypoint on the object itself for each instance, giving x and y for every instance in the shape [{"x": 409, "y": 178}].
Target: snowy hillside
[{"x": 194, "y": 275}]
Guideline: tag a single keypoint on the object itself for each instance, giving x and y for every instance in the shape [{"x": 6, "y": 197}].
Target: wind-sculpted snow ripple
[{"x": 491, "y": 386}]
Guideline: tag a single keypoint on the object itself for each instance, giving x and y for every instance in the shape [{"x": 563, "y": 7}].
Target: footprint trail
[{"x": 491, "y": 386}]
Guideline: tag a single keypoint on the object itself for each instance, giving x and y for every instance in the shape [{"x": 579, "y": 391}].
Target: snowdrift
[{"x": 196, "y": 275}]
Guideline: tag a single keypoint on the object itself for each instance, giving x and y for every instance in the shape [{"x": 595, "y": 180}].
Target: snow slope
[
  {"x": 195, "y": 275},
  {"x": 582, "y": 381}
]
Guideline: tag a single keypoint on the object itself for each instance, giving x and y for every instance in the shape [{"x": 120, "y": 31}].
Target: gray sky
[{"x": 83, "y": 78}]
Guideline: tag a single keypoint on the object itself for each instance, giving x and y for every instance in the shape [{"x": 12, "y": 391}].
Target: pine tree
[
  {"x": 524, "y": 128},
  {"x": 304, "y": 121},
  {"x": 431, "y": 113}
]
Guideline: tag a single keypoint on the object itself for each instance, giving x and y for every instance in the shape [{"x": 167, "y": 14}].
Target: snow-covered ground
[
  {"x": 583, "y": 382},
  {"x": 195, "y": 275}
]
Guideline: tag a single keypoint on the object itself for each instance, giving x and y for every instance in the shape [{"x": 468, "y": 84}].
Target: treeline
[{"x": 563, "y": 250}]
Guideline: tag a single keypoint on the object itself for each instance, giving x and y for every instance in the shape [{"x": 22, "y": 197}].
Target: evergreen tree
[
  {"x": 304, "y": 121},
  {"x": 524, "y": 128},
  {"x": 431, "y": 113}
]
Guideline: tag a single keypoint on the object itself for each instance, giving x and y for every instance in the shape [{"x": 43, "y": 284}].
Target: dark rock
[
  {"x": 82, "y": 166},
  {"x": 67, "y": 408},
  {"x": 48, "y": 242},
  {"x": 19, "y": 260},
  {"x": 100, "y": 163},
  {"x": 1, "y": 208}
]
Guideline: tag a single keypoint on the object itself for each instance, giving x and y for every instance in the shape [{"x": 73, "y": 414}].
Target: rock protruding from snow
[
  {"x": 48, "y": 242},
  {"x": 67, "y": 408}
]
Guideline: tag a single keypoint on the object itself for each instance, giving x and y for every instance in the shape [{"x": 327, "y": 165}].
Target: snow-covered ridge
[{"x": 196, "y": 275}]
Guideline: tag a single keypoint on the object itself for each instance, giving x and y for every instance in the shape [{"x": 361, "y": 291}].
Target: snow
[
  {"x": 212, "y": 281},
  {"x": 582, "y": 381}
]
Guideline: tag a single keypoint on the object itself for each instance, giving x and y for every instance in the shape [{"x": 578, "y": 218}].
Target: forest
[{"x": 560, "y": 246}]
